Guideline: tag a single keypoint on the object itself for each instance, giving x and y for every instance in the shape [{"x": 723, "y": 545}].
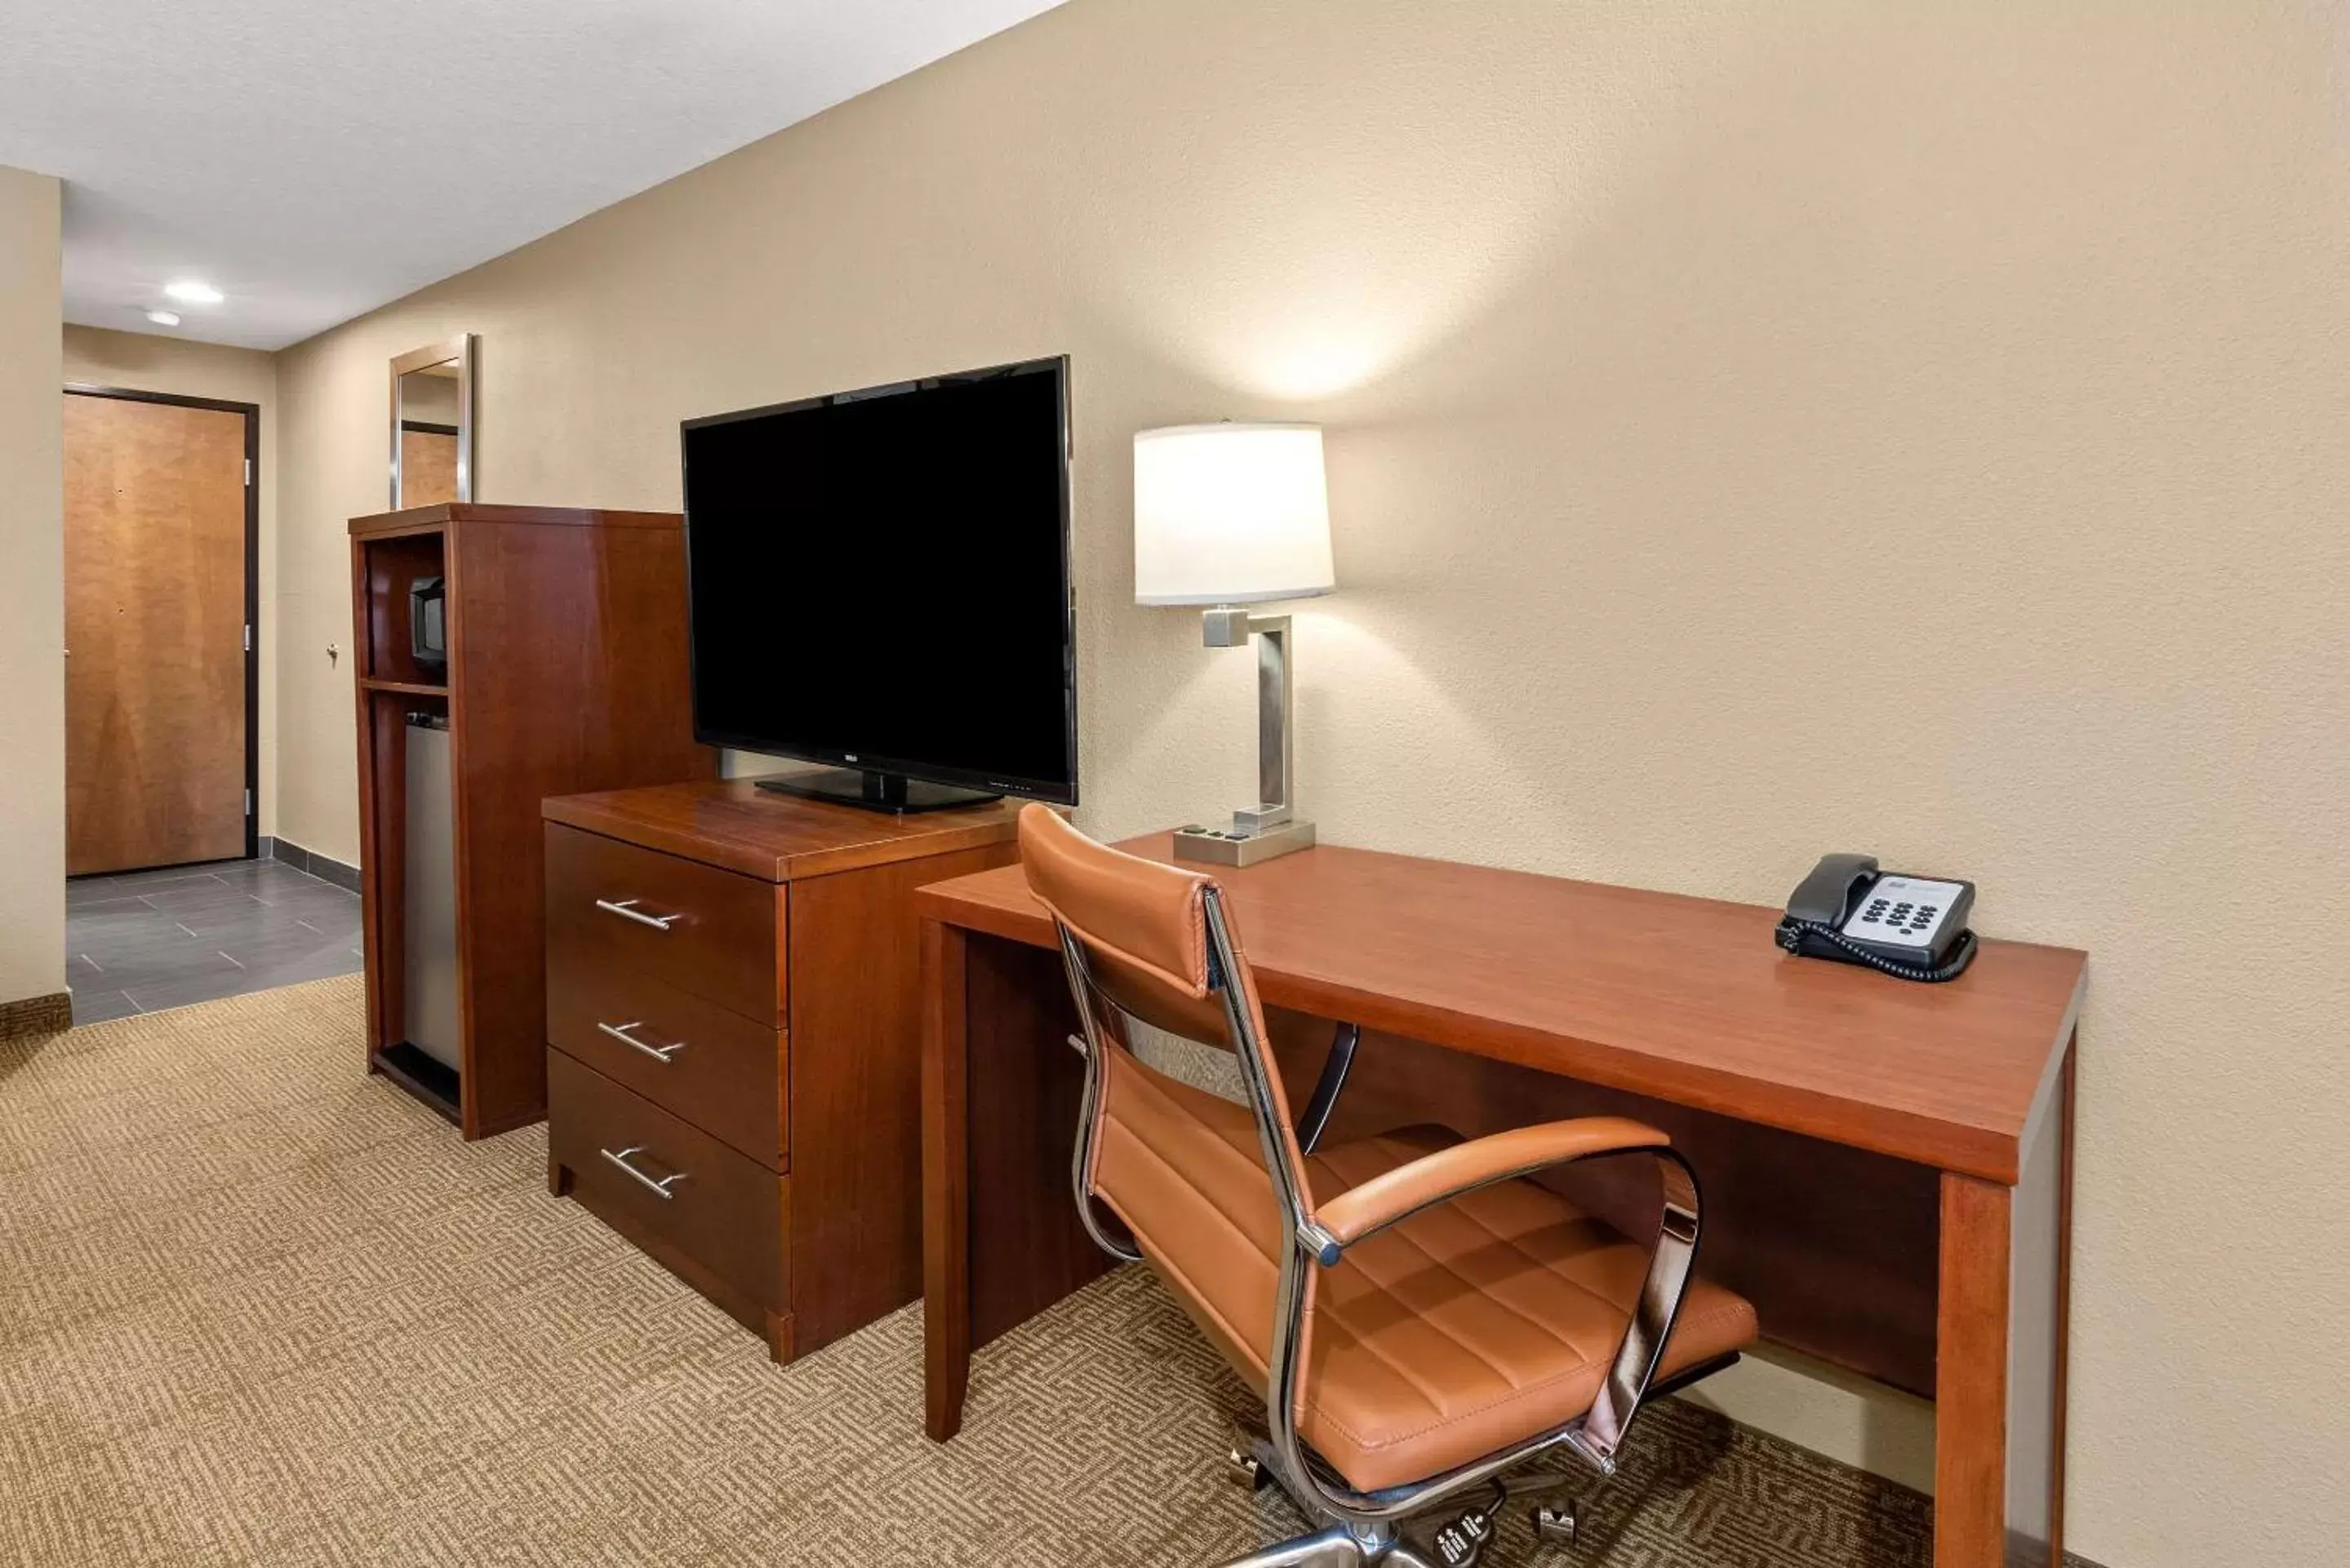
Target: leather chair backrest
[
  {"x": 1142, "y": 924},
  {"x": 1144, "y": 928}
]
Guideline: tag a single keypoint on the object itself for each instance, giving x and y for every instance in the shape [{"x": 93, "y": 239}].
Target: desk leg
[
  {"x": 1971, "y": 1377},
  {"x": 946, "y": 1180},
  {"x": 2003, "y": 1319},
  {"x": 996, "y": 1149}
]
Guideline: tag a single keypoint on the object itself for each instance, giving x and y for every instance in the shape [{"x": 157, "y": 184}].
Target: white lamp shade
[{"x": 1231, "y": 514}]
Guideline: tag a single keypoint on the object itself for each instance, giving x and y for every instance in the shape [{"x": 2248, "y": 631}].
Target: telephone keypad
[{"x": 1905, "y": 911}]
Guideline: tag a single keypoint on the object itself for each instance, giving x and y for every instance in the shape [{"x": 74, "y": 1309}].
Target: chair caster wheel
[
  {"x": 1244, "y": 1470},
  {"x": 1554, "y": 1524}
]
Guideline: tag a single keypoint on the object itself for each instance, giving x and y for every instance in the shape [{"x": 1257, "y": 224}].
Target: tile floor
[{"x": 145, "y": 941}]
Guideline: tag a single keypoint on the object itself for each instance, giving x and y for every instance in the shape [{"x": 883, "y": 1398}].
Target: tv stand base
[{"x": 875, "y": 792}]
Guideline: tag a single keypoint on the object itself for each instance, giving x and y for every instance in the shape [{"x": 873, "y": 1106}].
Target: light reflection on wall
[
  {"x": 1297, "y": 254},
  {"x": 1357, "y": 666}
]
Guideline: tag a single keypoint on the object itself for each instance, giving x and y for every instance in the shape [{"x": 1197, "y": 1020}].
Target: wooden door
[{"x": 155, "y": 618}]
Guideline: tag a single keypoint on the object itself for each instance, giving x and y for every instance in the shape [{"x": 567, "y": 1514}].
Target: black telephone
[{"x": 1913, "y": 928}]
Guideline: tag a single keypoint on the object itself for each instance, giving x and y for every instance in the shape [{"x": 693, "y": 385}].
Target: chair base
[
  {"x": 1458, "y": 1543},
  {"x": 1335, "y": 1547}
]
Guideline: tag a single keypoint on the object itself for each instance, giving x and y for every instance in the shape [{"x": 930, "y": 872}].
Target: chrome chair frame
[{"x": 1356, "y": 1527}]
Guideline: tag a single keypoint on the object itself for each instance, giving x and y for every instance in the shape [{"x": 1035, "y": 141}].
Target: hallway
[{"x": 145, "y": 941}]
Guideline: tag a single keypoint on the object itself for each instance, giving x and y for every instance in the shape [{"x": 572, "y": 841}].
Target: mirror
[{"x": 432, "y": 424}]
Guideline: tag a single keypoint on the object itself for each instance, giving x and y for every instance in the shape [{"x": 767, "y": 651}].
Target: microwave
[{"x": 428, "y": 623}]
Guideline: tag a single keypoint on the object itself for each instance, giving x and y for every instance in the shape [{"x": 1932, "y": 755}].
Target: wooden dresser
[{"x": 734, "y": 1039}]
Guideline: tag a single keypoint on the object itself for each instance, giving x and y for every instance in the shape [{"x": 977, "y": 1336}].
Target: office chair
[{"x": 1420, "y": 1318}]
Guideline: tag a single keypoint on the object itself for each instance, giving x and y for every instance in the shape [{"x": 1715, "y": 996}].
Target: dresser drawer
[
  {"x": 724, "y": 1211},
  {"x": 708, "y": 932},
  {"x": 713, "y": 1067}
]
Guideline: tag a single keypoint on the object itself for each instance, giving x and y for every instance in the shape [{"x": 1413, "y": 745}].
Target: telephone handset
[{"x": 1914, "y": 928}]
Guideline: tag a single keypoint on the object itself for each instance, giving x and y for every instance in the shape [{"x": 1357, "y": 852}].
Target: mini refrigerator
[{"x": 430, "y": 943}]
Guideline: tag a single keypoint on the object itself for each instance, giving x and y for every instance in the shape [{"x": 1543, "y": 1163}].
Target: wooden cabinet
[
  {"x": 716, "y": 1068},
  {"x": 718, "y": 1218},
  {"x": 566, "y": 670},
  {"x": 710, "y": 932},
  {"x": 733, "y": 1035}
]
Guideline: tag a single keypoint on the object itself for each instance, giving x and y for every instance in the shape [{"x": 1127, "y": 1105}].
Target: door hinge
[
  {"x": 248, "y": 636},
  {"x": 249, "y": 803},
  {"x": 248, "y": 471}
]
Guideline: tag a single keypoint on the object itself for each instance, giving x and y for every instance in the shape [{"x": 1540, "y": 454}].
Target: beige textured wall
[
  {"x": 147, "y": 362},
  {"x": 1755, "y": 430},
  {"x": 31, "y": 569}
]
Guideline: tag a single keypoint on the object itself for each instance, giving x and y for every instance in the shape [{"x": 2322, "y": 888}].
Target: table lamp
[{"x": 1225, "y": 516}]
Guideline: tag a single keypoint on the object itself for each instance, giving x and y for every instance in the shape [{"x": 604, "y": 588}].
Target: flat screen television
[{"x": 879, "y": 580}]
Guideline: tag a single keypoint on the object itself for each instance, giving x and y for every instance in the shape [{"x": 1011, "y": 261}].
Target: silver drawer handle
[
  {"x": 658, "y": 1188},
  {"x": 658, "y": 1052},
  {"x": 627, "y": 910}
]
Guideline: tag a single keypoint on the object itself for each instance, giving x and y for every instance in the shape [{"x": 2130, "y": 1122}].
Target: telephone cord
[{"x": 1951, "y": 968}]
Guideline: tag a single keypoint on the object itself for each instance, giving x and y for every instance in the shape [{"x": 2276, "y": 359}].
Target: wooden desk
[{"x": 1888, "y": 1165}]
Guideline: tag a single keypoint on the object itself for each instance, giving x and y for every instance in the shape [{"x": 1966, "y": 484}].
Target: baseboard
[
  {"x": 35, "y": 1015},
  {"x": 2023, "y": 1552},
  {"x": 311, "y": 861}
]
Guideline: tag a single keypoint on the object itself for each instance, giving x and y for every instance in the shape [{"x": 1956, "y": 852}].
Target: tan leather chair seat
[{"x": 1460, "y": 1330}]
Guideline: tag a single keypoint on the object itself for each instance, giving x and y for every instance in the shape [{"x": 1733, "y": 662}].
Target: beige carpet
[{"x": 256, "y": 1308}]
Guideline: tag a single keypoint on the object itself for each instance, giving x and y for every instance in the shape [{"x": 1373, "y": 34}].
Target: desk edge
[{"x": 1985, "y": 1153}]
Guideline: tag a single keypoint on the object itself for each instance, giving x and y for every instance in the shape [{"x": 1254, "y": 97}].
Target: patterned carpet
[{"x": 256, "y": 1308}]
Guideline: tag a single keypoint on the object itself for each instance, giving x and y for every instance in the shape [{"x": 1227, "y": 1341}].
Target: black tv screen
[{"x": 880, "y": 580}]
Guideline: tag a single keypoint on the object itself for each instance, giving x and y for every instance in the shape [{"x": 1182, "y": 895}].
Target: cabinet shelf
[{"x": 402, "y": 688}]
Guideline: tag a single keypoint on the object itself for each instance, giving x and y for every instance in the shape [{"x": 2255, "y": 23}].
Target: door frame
[{"x": 252, "y": 412}]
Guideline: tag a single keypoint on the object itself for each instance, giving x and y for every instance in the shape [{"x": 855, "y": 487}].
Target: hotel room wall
[
  {"x": 1755, "y": 430},
  {"x": 32, "y": 575}
]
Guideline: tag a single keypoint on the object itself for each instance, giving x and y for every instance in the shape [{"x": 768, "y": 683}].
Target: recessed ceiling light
[
  {"x": 190, "y": 292},
  {"x": 164, "y": 318}
]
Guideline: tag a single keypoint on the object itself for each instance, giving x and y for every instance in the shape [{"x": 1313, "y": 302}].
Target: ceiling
[{"x": 314, "y": 159}]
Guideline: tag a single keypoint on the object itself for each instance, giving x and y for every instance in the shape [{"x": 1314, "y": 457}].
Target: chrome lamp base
[
  {"x": 1238, "y": 846},
  {"x": 1267, "y": 830}
]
